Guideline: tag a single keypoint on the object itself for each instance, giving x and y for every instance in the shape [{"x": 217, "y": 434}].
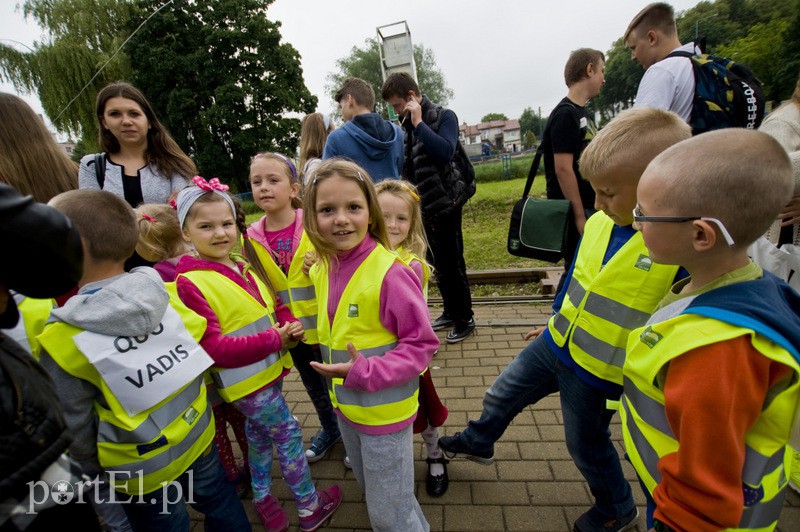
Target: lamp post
[{"x": 697, "y": 24}]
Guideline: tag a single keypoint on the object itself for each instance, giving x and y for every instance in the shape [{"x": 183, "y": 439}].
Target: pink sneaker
[
  {"x": 329, "y": 501},
  {"x": 271, "y": 514}
]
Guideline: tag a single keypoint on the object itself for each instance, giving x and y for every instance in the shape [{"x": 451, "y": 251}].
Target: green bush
[{"x": 250, "y": 207}]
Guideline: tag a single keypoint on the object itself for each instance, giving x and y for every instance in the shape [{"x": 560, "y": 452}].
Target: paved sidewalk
[{"x": 532, "y": 485}]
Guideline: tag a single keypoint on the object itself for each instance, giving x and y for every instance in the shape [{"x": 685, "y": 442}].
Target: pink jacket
[
  {"x": 257, "y": 233},
  {"x": 229, "y": 351},
  {"x": 404, "y": 313}
]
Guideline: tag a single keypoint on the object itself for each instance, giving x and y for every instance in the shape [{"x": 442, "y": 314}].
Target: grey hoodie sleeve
[{"x": 77, "y": 400}]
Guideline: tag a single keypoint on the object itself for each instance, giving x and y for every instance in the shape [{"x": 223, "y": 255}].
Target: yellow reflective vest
[
  {"x": 295, "y": 289},
  {"x": 240, "y": 314},
  {"x": 155, "y": 446},
  {"x": 604, "y": 303},
  {"x": 33, "y": 314},
  {"x": 647, "y": 433},
  {"x": 357, "y": 320},
  {"x": 407, "y": 257}
]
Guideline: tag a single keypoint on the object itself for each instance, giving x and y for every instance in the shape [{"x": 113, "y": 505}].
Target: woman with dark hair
[
  {"x": 141, "y": 162},
  {"x": 313, "y": 133}
]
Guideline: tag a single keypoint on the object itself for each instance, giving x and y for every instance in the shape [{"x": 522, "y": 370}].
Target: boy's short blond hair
[
  {"x": 106, "y": 222},
  {"x": 632, "y": 139},
  {"x": 656, "y": 16},
  {"x": 742, "y": 177}
]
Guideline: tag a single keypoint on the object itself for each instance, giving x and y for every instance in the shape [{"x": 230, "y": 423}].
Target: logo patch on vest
[
  {"x": 190, "y": 415},
  {"x": 752, "y": 495},
  {"x": 650, "y": 338},
  {"x": 644, "y": 262},
  {"x": 352, "y": 311}
]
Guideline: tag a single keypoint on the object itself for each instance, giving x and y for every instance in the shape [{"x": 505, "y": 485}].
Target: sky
[{"x": 497, "y": 57}]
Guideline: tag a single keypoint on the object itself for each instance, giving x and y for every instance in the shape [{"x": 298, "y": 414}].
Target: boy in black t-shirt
[{"x": 568, "y": 131}]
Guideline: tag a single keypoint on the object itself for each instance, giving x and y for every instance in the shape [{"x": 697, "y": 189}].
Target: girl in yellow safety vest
[
  {"x": 247, "y": 334},
  {"x": 399, "y": 202},
  {"x": 376, "y": 338}
]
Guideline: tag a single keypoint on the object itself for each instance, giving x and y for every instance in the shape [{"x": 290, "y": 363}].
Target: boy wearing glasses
[
  {"x": 611, "y": 289},
  {"x": 711, "y": 381}
]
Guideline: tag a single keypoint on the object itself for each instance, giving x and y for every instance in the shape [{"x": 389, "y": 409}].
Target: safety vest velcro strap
[
  {"x": 763, "y": 514},
  {"x": 757, "y": 466},
  {"x": 341, "y": 355},
  {"x": 224, "y": 378},
  {"x": 598, "y": 349},
  {"x": 261, "y": 324},
  {"x": 284, "y": 295},
  {"x": 646, "y": 451},
  {"x": 165, "y": 458},
  {"x": 303, "y": 293},
  {"x": 152, "y": 426},
  {"x": 309, "y": 322},
  {"x": 614, "y": 311},
  {"x": 346, "y": 396}
]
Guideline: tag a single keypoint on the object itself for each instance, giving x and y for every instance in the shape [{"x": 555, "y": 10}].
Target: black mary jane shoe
[{"x": 436, "y": 486}]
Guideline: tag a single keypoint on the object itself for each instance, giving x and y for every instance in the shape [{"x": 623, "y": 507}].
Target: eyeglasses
[{"x": 639, "y": 217}]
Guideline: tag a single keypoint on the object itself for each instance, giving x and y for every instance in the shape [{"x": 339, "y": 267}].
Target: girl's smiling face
[
  {"x": 211, "y": 228},
  {"x": 273, "y": 190},
  {"x": 342, "y": 212},
  {"x": 397, "y": 215}
]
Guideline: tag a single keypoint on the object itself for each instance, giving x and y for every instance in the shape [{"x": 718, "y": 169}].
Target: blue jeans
[
  {"x": 536, "y": 373},
  {"x": 212, "y": 494}
]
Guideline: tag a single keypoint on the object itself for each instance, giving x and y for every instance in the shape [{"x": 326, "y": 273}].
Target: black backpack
[{"x": 727, "y": 94}]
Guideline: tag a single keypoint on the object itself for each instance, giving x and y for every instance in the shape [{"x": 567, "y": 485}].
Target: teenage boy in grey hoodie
[
  {"x": 366, "y": 138},
  {"x": 130, "y": 375}
]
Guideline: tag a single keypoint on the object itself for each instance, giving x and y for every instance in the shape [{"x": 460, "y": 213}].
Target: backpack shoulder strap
[
  {"x": 540, "y": 150},
  {"x": 100, "y": 168},
  {"x": 681, "y": 53}
]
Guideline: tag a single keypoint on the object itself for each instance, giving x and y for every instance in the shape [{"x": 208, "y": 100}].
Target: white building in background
[{"x": 500, "y": 135}]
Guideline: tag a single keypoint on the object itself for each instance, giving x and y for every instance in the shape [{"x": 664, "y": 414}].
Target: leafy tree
[
  {"x": 494, "y": 116},
  {"x": 622, "y": 80},
  {"x": 528, "y": 140},
  {"x": 365, "y": 63},
  {"x": 530, "y": 121},
  {"x": 222, "y": 81},
  {"x": 82, "y": 36}
]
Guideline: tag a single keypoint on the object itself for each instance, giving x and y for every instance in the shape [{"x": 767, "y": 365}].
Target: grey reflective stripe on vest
[
  {"x": 303, "y": 293},
  {"x": 763, "y": 514},
  {"x": 261, "y": 324},
  {"x": 614, "y": 311},
  {"x": 341, "y": 355},
  {"x": 309, "y": 322},
  {"x": 284, "y": 295},
  {"x": 756, "y": 465},
  {"x": 645, "y": 451},
  {"x": 576, "y": 294},
  {"x": 228, "y": 377},
  {"x": 345, "y": 396},
  {"x": 598, "y": 349},
  {"x": 151, "y": 427},
  {"x": 165, "y": 458}
]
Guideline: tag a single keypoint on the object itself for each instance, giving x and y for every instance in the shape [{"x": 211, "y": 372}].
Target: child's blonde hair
[
  {"x": 346, "y": 170},
  {"x": 313, "y": 134},
  {"x": 160, "y": 235},
  {"x": 289, "y": 171},
  {"x": 632, "y": 139},
  {"x": 740, "y": 176},
  {"x": 415, "y": 241}
]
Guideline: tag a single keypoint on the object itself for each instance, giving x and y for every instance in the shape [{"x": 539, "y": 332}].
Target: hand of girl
[
  {"x": 337, "y": 370},
  {"x": 283, "y": 331},
  {"x": 296, "y": 332},
  {"x": 791, "y": 213},
  {"x": 308, "y": 261},
  {"x": 533, "y": 334}
]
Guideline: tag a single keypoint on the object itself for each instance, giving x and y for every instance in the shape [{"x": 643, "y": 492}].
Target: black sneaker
[
  {"x": 442, "y": 322},
  {"x": 460, "y": 331},
  {"x": 591, "y": 521},
  {"x": 453, "y": 445}
]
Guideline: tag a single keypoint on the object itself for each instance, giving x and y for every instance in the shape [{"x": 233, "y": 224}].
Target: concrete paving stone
[
  {"x": 524, "y": 470},
  {"x": 434, "y": 514},
  {"x": 474, "y": 380},
  {"x": 565, "y": 470},
  {"x": 461, "y": 362},
  {"x": 500, "y": 361},
  {"x": 493, "y": 345},
  {"x": 448, "y": 372},
  {"x": 500, "y": 493},
  {"x": 534, "y": 518},
  {"x": 506, "y": 451},
  {"x": 545, "y": 417},
  {"x": 556, "y": 493},
  {"x": 551, "y": 432},
  {"x": 464, "y": 405},
  {"x": 461, "y": 469},
  {"x": 458, "y": 493},
  {"x": 551, "y": 402},
  {"x": 482, "y": 370},
  {"x": 450, "y": 393},
  {"x": 789, "y": 520},
  {"x": 544, "y": 450},
  {"x": 477, "y": 518},
  {"x": 521, "y": 432},
  {"x": 474, "y": 392},
  {"x": 351, "y": 515}
]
